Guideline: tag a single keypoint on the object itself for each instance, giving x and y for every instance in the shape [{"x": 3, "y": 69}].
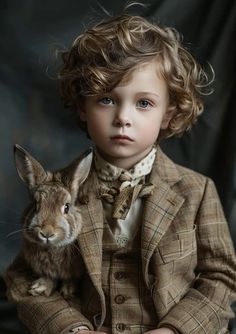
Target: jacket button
[
  {"x": 120, "y": 327},
  {"x": 119, "y": 275},
  {"x": 119, "y": 299}
]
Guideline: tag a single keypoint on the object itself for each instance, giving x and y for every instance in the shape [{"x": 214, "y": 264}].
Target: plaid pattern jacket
[{"x": 187, "y": 256}]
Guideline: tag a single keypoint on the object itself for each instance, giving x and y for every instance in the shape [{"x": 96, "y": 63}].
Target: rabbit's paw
[
  {"x": 42, "y": 286},
  {"x": 68, "y": 288}
]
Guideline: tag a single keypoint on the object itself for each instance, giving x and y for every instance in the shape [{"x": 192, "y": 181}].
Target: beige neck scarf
[{"x": 121, "y": 187}]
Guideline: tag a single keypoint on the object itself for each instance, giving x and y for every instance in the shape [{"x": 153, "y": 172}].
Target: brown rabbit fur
[{"x": 52, "y": 221}]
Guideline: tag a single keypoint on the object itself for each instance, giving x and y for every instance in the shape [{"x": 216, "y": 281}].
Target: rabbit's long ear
[
  {"x": 29, "y": 169},
  {"x": 77, "y": 172}
]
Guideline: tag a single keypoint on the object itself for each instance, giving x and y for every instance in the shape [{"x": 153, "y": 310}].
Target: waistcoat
[{"x": 129, "y": 305}]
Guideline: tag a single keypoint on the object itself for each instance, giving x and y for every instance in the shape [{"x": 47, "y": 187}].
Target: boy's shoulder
[
  {"x": 174, "y": 173},
  {"x": 187, "y": 183}
]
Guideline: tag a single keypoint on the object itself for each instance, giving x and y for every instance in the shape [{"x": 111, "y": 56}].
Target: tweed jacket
[{"x": 187, "y": 256}]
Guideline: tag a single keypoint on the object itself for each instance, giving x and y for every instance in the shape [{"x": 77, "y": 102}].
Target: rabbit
[{"x": 52, "y": 222}]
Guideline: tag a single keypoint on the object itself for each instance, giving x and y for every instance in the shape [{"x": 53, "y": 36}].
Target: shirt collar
[{"x": 109, "y": 172}]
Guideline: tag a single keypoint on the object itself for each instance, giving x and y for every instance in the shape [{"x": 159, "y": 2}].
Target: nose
[
  {"x": 122, "y": 118},
  {"x": 46, "y": 235},
  {"x": 46, "y": 232}
]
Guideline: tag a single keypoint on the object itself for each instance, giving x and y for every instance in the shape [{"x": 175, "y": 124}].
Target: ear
[
  {"x": 29, "y": 170},
  {"x": 77, "y": 172},
  {"x": 82, "y": 113},
  {"x": 166, "y": 119}
]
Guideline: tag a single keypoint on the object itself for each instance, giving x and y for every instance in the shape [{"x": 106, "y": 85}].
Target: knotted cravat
[
  {"x": 129, "y": 185},
  {"x": 123, "y": 200}
]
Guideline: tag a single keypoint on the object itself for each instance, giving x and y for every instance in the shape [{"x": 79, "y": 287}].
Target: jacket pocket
[
  {"x": 183, "y": 245},
  {"x": 165, "y": 298}
]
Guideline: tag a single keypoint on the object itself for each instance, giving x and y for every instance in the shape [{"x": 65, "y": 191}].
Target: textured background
[{"x": 32, "y": 115}]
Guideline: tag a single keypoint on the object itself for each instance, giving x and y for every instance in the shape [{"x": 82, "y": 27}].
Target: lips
[{"x": 122, "y": 137}]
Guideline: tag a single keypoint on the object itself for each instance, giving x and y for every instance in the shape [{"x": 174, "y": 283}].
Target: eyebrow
[
  {"x": 136, "y": 94},
  {"x": 148, "y": 93}
]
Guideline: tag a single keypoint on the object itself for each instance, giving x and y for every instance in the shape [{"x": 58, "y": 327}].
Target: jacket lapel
[
  {"x": 90, "y": 242},
  {"x": 160, "y": 208}
]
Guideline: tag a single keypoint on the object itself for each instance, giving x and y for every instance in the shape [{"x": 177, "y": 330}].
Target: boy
[{"x": 155, "y": 244}]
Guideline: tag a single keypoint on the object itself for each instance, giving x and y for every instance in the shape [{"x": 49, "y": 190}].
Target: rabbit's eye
[{"x": 66, "y": 208}]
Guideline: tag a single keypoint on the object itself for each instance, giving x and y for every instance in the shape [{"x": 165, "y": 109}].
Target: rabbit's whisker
[{"x": 15, "y": 232}]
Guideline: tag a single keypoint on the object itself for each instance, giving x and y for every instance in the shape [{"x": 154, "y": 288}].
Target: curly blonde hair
[{"x": 102, "y": 56}]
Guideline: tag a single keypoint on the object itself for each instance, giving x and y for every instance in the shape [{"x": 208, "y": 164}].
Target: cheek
[
  {"x": 150, "y": 133},
  {"x": 96, "y": 127},
  {"x": 151, "y": 126},
  {"x": 98, "y": 120}
]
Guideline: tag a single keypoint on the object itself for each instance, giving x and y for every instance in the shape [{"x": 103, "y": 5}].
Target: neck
[{"x": 124, "y": 162}]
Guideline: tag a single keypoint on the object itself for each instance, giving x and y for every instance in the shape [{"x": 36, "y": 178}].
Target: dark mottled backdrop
[{"x": 32, "y": 115}]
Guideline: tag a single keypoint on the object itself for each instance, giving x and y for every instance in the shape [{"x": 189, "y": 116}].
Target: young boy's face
[{"x": 125, "y": 123}]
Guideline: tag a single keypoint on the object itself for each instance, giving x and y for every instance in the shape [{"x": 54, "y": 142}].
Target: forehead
[{"x": 144, "y": 77}]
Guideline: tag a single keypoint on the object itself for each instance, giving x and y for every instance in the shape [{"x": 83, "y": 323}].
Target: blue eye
[
  {"x": 143, "y": 104},
  {"x": 106, "y": 101}
]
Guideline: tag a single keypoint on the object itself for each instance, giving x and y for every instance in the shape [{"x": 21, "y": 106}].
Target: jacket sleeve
[
  {"x": 42, "y": 315},
  {"x": 205, "y": 309}
]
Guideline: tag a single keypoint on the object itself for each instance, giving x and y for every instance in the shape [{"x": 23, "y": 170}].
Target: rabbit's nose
[
  {"x": 46, "y": 235},
  {"x": 47, "y": 232}
]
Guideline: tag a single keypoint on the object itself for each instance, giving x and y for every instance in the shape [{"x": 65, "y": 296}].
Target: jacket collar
[
  {"x": 165, "y": 169},
  {"x": 160, "y": 208}
]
